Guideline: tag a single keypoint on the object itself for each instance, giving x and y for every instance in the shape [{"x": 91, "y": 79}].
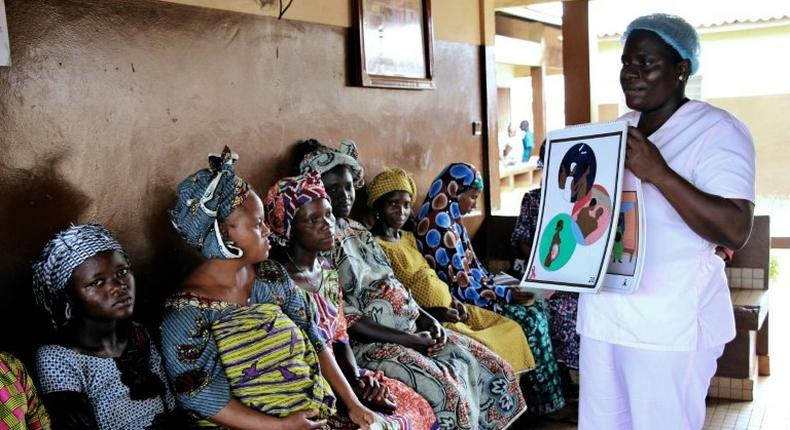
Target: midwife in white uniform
[{"x": 646, "y": 359}]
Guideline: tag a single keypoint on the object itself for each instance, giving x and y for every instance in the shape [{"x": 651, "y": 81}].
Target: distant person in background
[
  {"x": 507, "y": 156},
  {"x": 528, "y": 141}
]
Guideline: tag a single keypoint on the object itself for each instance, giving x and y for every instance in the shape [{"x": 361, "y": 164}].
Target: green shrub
[{"x": 773, "y": 270}]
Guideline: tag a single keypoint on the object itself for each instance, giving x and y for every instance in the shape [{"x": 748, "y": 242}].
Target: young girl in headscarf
[
  {"x": 239, "y": 345},
  {"x": 444, "y": 241},
  {"x": 300, "y": 216},
  {"x": 467, "y": 385},
  {"x": 104, "y": 373},
  {"x": 390, "y": 196}
]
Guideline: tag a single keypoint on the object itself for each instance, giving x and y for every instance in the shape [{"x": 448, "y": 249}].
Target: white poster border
[{"x": 530, "y": 281}]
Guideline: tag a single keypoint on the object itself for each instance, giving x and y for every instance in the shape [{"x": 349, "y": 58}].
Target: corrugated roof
[
  {"x": 610, "y": 17},
  {"x": 734, "y": 22}
]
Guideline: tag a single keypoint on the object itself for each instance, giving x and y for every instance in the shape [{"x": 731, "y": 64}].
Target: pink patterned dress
[{"x": 414, "y": 412}]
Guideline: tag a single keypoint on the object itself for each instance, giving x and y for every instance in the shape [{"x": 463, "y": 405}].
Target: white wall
[{"x": 749, "y": 62}]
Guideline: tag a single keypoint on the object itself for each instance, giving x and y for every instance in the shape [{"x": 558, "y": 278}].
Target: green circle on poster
[{"x": 557, "y": 243}]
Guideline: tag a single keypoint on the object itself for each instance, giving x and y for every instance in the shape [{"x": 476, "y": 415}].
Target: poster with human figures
[
  {"x": 626, "y": 260},
  {"x": 580, "y": 207}
]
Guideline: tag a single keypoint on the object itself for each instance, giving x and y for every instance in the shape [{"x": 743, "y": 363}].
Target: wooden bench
[
  {"x": 521, "y": 175},
  {"x": 746, "y": 356}
]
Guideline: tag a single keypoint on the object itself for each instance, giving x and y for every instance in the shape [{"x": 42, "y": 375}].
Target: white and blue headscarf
[
  {"x": 61, "y": 255},
  {"x": 205, "y": 199}
]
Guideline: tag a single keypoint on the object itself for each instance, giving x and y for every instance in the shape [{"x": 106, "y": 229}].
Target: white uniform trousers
[{"x": 624, "y": 388}]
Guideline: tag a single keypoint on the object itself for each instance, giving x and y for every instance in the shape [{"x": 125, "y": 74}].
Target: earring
[
  {"x": 680, "y": 78},
  {"x": 67, "y": 312}
]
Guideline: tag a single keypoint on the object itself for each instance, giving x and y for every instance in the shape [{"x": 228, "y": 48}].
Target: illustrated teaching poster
[
  {"x": 626, "y": 260},
  {"x": 580, "y": 206},
  {"x": 5, "y": 51}
]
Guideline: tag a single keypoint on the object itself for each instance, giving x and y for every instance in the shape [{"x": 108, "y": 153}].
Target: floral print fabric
[{"x": 467, "y": 385}]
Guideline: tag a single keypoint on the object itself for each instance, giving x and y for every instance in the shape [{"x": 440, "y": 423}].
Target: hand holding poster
[
  {"x": 5, "y": 51},
  {"x": 580, "y": 207}
]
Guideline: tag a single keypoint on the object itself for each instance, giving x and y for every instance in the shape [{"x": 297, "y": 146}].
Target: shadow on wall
[
  {"x": 167, "y": 265},
  {"x": 37, "y": 203}
]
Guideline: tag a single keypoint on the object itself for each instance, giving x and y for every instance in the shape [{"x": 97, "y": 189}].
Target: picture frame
[
  {"x": 394, "y": 43},
  {"x": 580, "y": 203}
]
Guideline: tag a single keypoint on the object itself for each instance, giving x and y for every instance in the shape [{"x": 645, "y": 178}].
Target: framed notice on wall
[
  {"x": 580, "y": 206},
  {"x": 5, "y": 47},
  {"x": 395, "y": 43}
]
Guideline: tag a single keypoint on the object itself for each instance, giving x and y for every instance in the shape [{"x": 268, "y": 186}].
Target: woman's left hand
[
  {"x": 361, "y": 416},
  {"x": 643, "y": 158},
  {"x": 440, "y": 336}
]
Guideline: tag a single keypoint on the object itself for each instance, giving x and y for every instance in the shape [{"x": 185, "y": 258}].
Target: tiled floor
[{"x": 770, "y": 409}]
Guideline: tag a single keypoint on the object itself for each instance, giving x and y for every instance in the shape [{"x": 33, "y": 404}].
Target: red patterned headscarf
[{"x": 285, "y": 197}]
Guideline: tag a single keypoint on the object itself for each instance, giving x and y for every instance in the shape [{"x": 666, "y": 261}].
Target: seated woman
[
  {"x": 233, "y": 335},
  {"x": 300, "y": 216},
  {"x": 20, "y": 406},
  {"x": 104, "y": 372},
  {"x": 562, "y": 304},
  {"x": 467, "y": 386},
  {"x": 444, "y": 241},
  {"x": 390, "y": 195}
]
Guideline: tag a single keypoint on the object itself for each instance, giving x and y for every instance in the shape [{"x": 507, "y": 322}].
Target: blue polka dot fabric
[{"x": 443, "y": 240}]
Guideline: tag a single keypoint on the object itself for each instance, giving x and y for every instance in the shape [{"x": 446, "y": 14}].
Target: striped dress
[{"x": 262, "y": 354}]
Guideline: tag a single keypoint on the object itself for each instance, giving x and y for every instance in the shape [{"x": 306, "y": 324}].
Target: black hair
[{"x": 584, "y": 157}]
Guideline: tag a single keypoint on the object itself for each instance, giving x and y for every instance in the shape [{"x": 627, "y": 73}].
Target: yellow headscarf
[{"x": 388, "y": 181}]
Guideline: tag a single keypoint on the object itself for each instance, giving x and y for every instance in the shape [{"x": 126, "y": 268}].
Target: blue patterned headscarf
[
  {"x": 444, "y": 241},
  {"x": 205, "y": 199},
  {"x": 61, "y": 255}
]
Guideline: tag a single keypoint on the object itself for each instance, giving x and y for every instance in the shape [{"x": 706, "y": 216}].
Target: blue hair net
[{"x": 673, "y": 30}]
